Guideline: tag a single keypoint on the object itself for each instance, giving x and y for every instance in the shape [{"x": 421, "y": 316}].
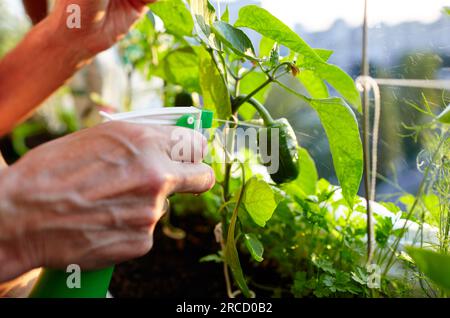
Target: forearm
[{"x": 40, "y": 64}]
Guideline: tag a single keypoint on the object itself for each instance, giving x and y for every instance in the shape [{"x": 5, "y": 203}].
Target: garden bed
[{"x": 172, "y": 268}]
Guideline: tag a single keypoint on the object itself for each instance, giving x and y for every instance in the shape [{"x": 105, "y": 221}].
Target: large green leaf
[
  {"x": 342, "y": 131},
  {"x": 234, "y": 39},
  {"x": 254, "y": 246},
  {"x": 214, "y": 90},
  {"x": 266, "y": 24},
  {"x": 435, "y": 265},
  {"x": 444, "y": 117},
  {"x": 308, "y": 176},
  {"x": 324, "y": 54},
  {"x": 181, "y": 67},
  {"x": 259, "y": 201},
  {"x": 260, "y": 20},
  {"x": 341, "y": 81},
  {"x": 175, "y": 15},
  {"x": 313, "y": 84},
  {"x": 305, "y": 184}
]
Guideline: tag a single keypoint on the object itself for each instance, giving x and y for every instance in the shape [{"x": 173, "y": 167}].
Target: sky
[{"x": 319, "y": 15}]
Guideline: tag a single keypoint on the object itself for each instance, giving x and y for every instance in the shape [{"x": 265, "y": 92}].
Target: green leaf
[
  {"x": 260, "y": 20},
  {"x": 342, "y": 131},
  {"x": 214, "y": 90},
  {"x": 324, "y": 54},
  {"x": 146, "y": 26},
  {"x": 444, "y": 117},
  {"x": 181, "y": 67},
  {"x": 308, "y": 176},
  {"x": 226, "y": 15},
  {"x": 175, "y": 15},
  {"x": 322, "y": 263},
  {"x": 434, "y": 265},
  {"x": 265, "y": 46},
  {"x": 259, "y": 201},
  {"x": 254, "y": 246},
  {"x": 342, "y": 82},
  {"x": 204, "y": 10},
  {"x": 266, "y": 24},
  {"x": 234, "y": 39},
  {"x": 313, "y": 84},
  {"x": 204, "y": 16},
  {"x": 211, "y": 258},
  {"x": 232, "y": 259},
  {"x": 360, "y": 276}
]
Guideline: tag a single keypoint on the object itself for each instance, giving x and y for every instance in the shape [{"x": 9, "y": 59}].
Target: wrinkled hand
[
  {"x": 103, "y": 22},
  {"x": 93, "y": 198}
]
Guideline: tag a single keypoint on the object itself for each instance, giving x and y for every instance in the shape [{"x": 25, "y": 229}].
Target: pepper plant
[{"x": 200, "y": 54}]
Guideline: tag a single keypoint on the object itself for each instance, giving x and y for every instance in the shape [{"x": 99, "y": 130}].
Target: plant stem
[
  {"x": 366, "y": 156},
  {"x": 271, "y": 79},
  {"x": 229, "y": 148},
  {"x": 230, "y": 242},
  {"x": 226, "y": 184},
  {"x": 275, "y": 70},
  {"x": 413, "y": 207},
  {"x": 237, "y": 87},
  {"x": 240, "y": 102},
  {"x": 224, "y": 64},
  {"x": 225, "y": 229},
  {"x": 221, "y": 72},
  {"x": 226, "y": 274},
  {"x": 290, "y": 90},
  {"x": 263, "y": 112},
  {"x": 247, "y": 73}
]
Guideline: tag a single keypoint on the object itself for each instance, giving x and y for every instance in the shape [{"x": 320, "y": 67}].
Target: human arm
[{"x": 51, "y": 53}]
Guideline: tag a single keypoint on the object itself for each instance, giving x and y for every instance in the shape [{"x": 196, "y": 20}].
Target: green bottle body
[{"x": 54, "y": 283}]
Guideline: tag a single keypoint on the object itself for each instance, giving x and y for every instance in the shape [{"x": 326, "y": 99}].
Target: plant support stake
[{"x": 366, "y": 127}]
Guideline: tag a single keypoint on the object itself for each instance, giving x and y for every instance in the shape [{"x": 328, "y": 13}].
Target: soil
[{"x": 172, "y": 267}]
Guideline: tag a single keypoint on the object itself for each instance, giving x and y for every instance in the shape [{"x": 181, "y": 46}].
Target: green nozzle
[
  {"x": 189, "y": 121},
  {"x": 207, "y": 118}
]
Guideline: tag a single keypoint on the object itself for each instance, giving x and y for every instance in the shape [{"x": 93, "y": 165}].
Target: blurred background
[{"x": 408, "y": 39}]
